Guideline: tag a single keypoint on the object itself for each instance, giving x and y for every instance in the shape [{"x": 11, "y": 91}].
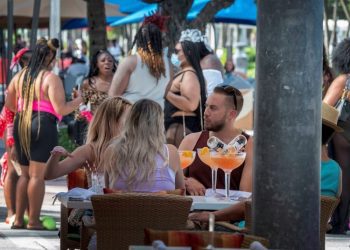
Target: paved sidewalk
[{"x": 29, "y": 239}]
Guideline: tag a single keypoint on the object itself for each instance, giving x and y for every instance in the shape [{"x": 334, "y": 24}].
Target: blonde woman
[
  {"x": 106, "y": 124},
  {"x": 139, "y": 160},
  {"x": 38, "y": 97}
]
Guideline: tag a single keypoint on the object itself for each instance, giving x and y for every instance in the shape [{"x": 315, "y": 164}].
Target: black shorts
[{"x": 42, "y": 140}]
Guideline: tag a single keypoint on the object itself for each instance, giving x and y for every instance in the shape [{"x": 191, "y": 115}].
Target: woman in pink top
[
  {"x": 139, "y": 160},
  {"x": 39, "y": 100}
]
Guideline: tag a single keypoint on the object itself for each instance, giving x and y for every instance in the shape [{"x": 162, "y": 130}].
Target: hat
[{"x": 330, "y": 117}]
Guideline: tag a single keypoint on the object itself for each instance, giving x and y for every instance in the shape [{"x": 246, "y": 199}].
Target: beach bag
[{"x": 343, "y": 106}]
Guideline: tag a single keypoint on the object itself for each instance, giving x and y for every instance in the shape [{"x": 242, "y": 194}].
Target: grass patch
[{"x": 64, "y": 140}]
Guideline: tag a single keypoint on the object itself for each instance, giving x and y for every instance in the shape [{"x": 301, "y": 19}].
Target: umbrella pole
[{"x": 35, "y": 22}]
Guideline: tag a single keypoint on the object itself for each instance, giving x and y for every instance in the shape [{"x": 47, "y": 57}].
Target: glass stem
[
  {"x": 214, "y": 172},
  {"x": 227, "y": 183}
]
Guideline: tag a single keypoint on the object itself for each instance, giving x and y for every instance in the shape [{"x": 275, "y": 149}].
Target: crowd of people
[{"x": 133, "y": 116}]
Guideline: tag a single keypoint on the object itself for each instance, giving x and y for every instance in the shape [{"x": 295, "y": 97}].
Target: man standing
[{"x": 222, "y": 108}]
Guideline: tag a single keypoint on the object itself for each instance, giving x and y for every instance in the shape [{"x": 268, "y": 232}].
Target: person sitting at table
[
  {"x": 106, "y": 124},
  {"x": 222, "y": 108},
  {"x": 139, "y": 160},
  {"x": 330, "y": 172}
]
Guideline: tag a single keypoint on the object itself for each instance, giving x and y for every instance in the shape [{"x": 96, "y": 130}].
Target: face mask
[{"x": 175, "y": 60}]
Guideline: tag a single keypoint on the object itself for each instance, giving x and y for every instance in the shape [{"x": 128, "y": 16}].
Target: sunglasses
[{"x": 229, "y": 90}]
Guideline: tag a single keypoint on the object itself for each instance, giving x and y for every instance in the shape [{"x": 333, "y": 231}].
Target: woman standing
[
  {"x": 186, "y": 98},
  {"x": 94, "y": 91},
  {"x": 147, "y": 73},
  {"x": 340, "y": 145},
  {"x": 139, "y": 160},
  {"x": 38, "y": 97}
]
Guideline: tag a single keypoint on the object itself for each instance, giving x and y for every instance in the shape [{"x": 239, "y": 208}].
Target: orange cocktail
[
  {"x": 186, "y": 158},
  {"x": 205, "y": 157},
  {"x": 228, "y": 161}
]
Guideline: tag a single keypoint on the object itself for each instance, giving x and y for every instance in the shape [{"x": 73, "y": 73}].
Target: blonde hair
[
  {"x": 42, "y": 56},
  {"x": 106, "y": 124},
  {"x": 133, "y": 154}
]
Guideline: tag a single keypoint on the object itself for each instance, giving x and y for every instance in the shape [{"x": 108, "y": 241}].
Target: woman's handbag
[{"x": 343, "y": 106}]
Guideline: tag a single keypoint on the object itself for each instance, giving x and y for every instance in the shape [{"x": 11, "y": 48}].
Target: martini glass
[
  {"x": 186, "y": 158},
  {"x": 205, "y": 157},
  {"x": 228, "y": 161}
]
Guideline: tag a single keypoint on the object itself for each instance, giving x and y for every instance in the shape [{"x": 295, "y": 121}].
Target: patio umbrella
[
  {"x": 241, "y": 11},
  {"x": 23, "y": 12}
]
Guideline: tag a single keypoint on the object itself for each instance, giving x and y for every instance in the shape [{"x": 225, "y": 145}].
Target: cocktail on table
[
  {"x": 186, "y": 158},
  {"x": 205, "y": 157},
  {"x": 228, "y": 160}
]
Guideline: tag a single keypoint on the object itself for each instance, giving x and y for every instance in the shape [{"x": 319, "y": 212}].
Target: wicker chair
[
  {"x": 122, "y": 217},
  {"x": 328, "y": 204}
]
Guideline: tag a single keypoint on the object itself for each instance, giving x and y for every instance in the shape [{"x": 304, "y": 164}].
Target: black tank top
[
  {"x": 170, "y": 109},
  {"x": 202, "y": 172}
]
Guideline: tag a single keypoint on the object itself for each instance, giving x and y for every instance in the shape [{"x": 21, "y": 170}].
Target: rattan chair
[
  {"x": 122, "y": 217},
  {"x": 328, "y": 204}
]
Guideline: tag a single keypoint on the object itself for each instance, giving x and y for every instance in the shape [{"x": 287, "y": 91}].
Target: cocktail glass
[
  {"x": 186, "y": 158},
  {"x": 205, "y": 157},
  {"x": 228, "y": 161}
]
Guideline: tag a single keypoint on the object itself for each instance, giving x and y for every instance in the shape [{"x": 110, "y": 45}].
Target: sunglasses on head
[{"x": 229, "y": 90}]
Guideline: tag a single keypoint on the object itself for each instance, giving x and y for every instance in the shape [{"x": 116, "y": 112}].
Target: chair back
[
  {"x": 122, "y": 217},
  {"x": 328, "y": 205}
]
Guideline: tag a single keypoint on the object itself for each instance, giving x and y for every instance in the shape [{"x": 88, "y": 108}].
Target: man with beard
[{"x": 222, "y": 108}]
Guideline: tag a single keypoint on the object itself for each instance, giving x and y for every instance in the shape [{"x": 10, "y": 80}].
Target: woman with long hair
[
  {"x": 147, "y": 73},
  {"x": 106, "y": 124},
  {"x": 340, "y": 146},
  {"x": 94, "y": 90},
  {"x": 139, "y": 160},
  {"x": 186, "y": 98},
  {"x": 37, "y": 95}
]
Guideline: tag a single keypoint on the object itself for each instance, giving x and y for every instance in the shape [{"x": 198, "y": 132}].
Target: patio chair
[
  {"x": 200, "y": 239},
  {"x": 122, "y": 217},
  {"x": 328, "y": 204}
]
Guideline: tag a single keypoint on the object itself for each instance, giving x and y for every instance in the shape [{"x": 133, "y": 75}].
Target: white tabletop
[{"x": 199, "y": 203}]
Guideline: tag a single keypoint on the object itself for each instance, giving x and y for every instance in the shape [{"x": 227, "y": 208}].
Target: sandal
[
  {"x": 37, "y": 228},
  {"x": 17, "y": 227}
]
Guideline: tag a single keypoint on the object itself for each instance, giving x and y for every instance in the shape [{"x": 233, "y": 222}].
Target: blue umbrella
[
  {"x": 242, "y": 11},
  {"x": 78, "y": 23},
  {"x": 137, "y": 16}
]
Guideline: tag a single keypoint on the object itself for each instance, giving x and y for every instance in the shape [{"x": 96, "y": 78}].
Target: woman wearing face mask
[{"x": 185, "y": 100}]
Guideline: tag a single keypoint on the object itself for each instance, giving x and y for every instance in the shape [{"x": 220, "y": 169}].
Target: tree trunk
[
  {"x": 208, "y": 13},
  {"x": 97, "y": 25},
  {"x": 177, "y": 11}
]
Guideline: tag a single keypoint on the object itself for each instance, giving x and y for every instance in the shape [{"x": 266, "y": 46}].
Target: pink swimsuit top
[{"x": 42, "y": 105}]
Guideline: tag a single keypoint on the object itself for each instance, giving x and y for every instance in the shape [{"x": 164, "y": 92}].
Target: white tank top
[{"x": 143, "y": 85}]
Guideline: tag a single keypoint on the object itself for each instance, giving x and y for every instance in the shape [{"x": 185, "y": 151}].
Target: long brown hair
[{"x": 106, "y": 124}]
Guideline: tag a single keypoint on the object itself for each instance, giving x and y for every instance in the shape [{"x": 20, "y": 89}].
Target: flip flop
[
  {"x": 36, "y": 228},
  {"x": 17, "y": 227}
]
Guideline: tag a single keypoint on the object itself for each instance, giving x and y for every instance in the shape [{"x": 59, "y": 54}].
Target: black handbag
[{"x": 343, "y": 106}]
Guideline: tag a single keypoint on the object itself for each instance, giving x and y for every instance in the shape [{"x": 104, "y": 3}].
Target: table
[{"x": 199, "y": 203}]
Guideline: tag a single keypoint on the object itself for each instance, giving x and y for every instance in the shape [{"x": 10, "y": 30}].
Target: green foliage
[
  {"x": 64, "y": 141},
  {"x": 251, "y": 54}
]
